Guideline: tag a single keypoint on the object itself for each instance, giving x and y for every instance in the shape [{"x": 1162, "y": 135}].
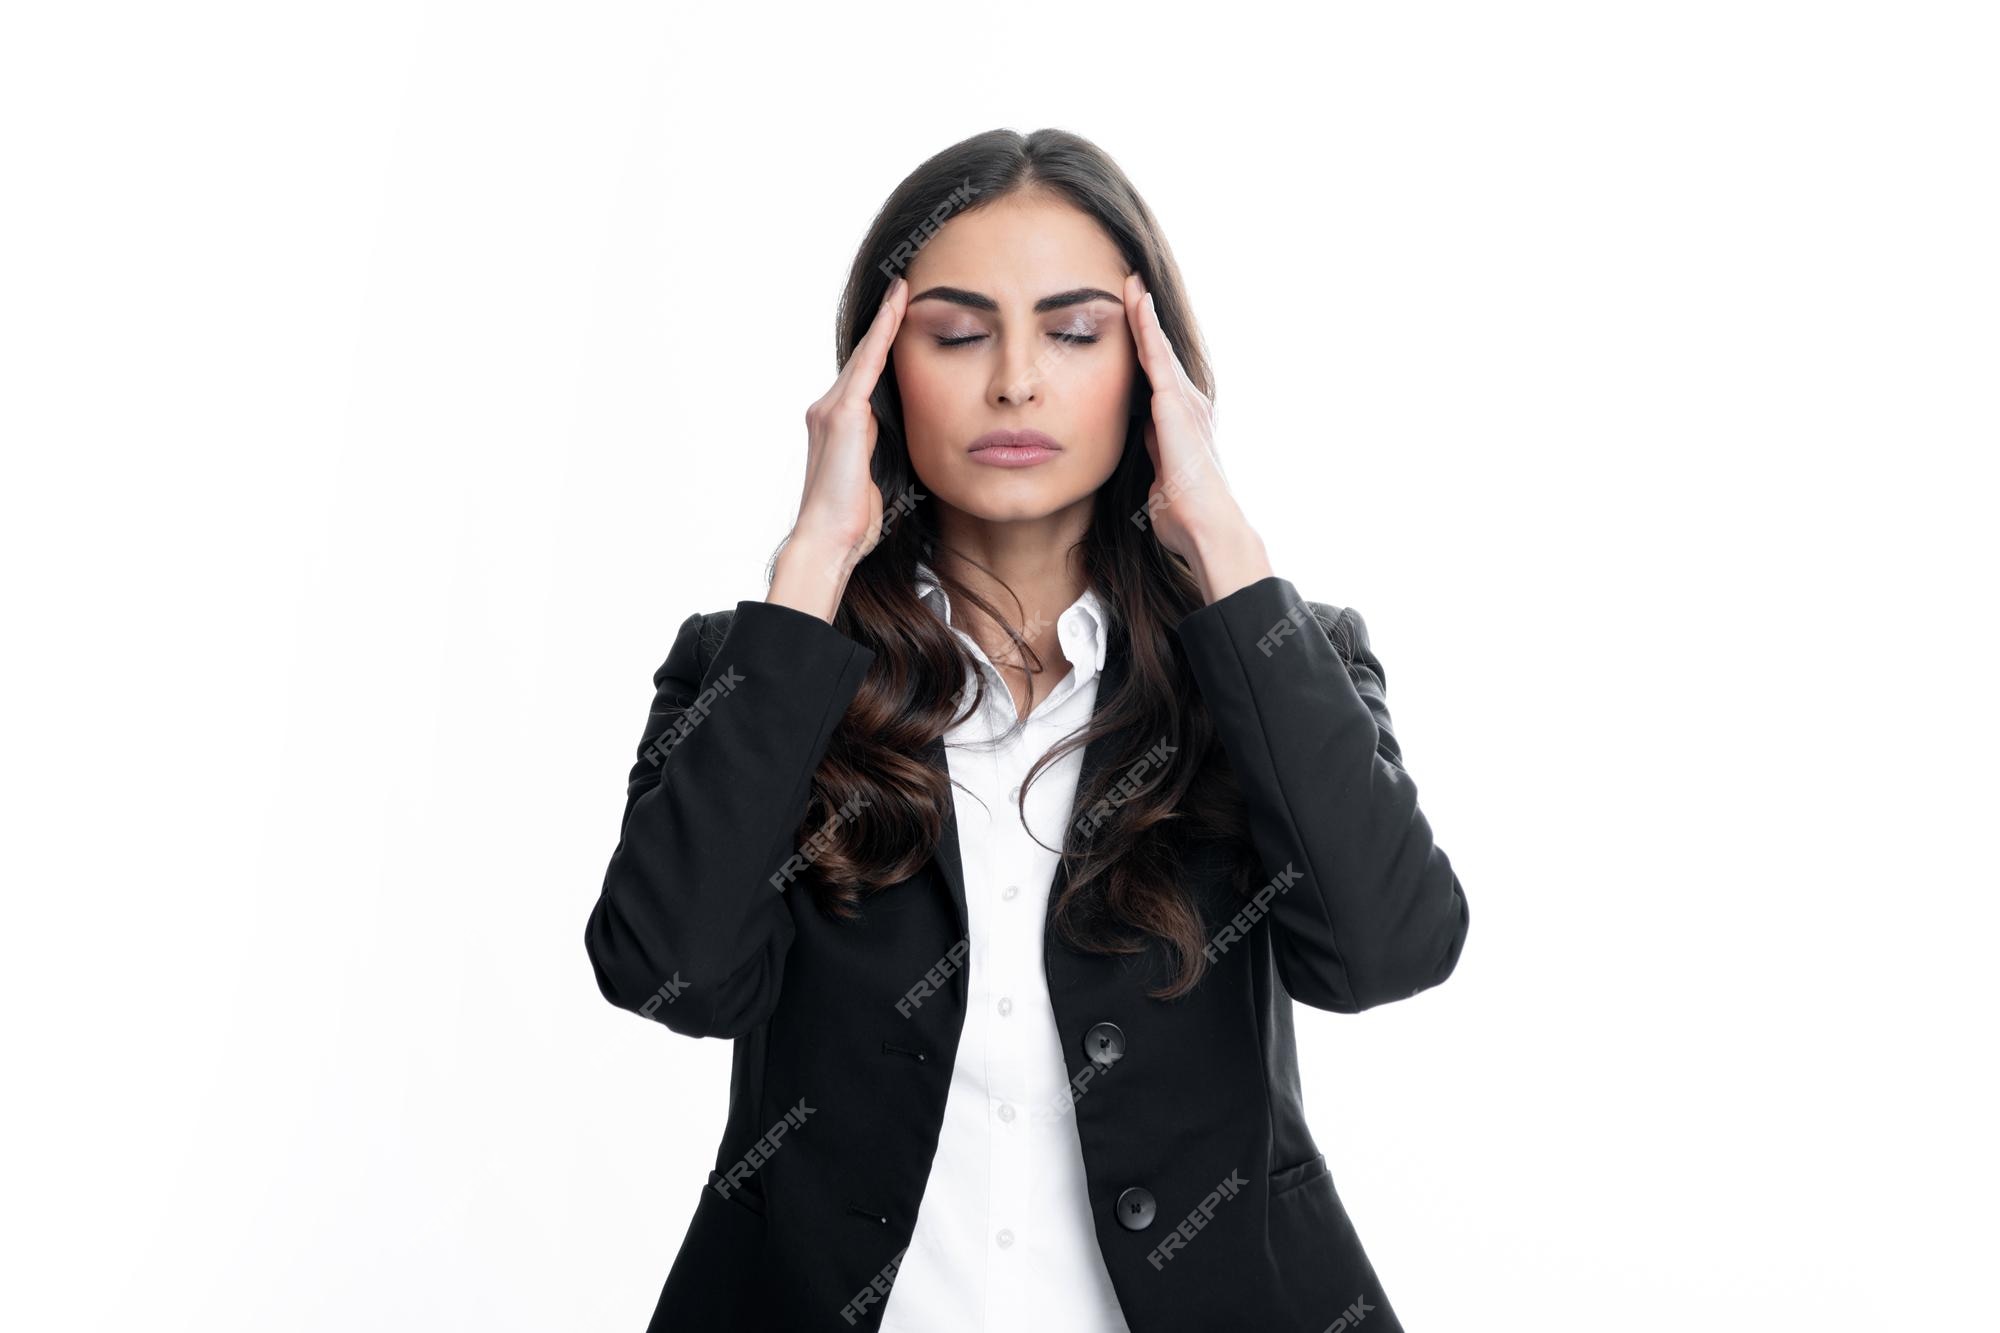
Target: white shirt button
[{"x": 1012, "y": 1153}]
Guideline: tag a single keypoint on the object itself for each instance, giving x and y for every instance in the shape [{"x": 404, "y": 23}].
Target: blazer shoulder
[
  {"x": 714, "y": 629},
  {"x": 1349, "y": 633},
  {"x": 694, "y": 645},
  {"x": 701, "y": 635},
  {"x": 1342, "y": 625}
]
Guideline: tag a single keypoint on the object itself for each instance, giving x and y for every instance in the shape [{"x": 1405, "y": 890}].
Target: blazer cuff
[
  {"x": 1250, "y": 624},
  {"x": 770, "y": 630},
  {"x": 801, "y": 673}
]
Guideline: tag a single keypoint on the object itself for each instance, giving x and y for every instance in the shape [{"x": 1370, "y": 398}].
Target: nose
[{"x": 1020, "y": 374}]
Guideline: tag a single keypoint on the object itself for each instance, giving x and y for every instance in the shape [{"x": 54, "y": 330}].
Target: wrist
[
  {"x": 1228, "y": 559},
  {"x": 811, "y": 575},
  {"x": 821, "y": 544}
]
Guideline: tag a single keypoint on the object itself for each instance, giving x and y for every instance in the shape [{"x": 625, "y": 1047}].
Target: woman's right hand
[{"x": 840, "y": 512}]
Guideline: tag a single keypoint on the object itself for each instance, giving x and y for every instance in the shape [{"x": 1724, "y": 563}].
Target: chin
[
  {"x": 1001, "y": 495},
  {"x": 1013, "y": 495},
  {"x": 1008, "y": 503}
]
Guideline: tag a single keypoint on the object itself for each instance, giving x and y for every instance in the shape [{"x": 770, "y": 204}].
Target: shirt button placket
[{"x": 1007, "y": 1160}]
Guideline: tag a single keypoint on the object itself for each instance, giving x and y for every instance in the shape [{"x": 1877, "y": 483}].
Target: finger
[
  {"x": 1164, "y": 368},
  {"x": 857, "y": 379},
  {"x": 1135, "y": 320},
  {"x": 1163, "y": 348},
  {"x": 1156, "y": 349},
  {"x": 859, "y": 376},
  {"x": 1156, "y": 353}
]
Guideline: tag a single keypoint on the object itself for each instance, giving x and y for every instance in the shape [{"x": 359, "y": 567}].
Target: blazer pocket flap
[{"x": 1291, "y": 1177}]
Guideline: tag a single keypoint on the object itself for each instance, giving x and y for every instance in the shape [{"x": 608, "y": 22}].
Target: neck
[{"x": 1038, "y": 560}]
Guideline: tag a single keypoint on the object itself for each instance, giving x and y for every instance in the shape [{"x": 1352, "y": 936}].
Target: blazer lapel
[{"x": 949, "y": 862}]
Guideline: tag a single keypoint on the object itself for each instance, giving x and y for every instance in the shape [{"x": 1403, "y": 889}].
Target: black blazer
[{"x": 1213, "y": 1206}]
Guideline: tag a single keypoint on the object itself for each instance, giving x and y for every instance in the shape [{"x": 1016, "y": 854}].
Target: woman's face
[{"x": 1016, "y": 323}]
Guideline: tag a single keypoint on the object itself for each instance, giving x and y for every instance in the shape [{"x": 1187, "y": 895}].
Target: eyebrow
[{"x": 981, "y": 301}]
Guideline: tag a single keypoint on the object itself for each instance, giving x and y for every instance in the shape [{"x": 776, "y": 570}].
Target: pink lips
[{"x": 1013, "y": 448}]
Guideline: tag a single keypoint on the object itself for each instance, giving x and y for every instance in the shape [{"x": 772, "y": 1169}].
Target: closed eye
[{"x": 1079, "y": 338}]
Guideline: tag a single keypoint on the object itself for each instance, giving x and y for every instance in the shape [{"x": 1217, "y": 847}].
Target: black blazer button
[
  {"x": 1104, "y": 1043},
  {"x": 1136, "y": 1209}
]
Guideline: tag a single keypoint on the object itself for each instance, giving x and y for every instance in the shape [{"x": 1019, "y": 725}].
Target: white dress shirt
[{"x": 1004, "y": 1241}]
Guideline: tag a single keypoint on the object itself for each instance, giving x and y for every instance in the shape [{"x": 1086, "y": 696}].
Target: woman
[{"x": 1002, "y": 834}]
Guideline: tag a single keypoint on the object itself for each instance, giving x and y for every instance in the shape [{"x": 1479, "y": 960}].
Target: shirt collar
[{"x": 1084, "y": 629}]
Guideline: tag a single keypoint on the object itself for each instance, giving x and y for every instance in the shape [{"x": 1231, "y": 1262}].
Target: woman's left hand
[{"x": 1188, "y": 507}]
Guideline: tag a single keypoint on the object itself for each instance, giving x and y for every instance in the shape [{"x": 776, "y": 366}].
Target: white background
[{"x": 384, "y": 383}]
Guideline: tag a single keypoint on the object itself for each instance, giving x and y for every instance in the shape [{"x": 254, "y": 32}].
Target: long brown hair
[{"x": 878, "y": 803}]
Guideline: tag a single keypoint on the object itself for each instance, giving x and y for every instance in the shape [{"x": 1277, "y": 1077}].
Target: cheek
[
  {"x": 1100, "y": 401},
  {"x": 1103, "y": 392},
  {"x": 930, "y": 401},
  {"x": 919, "y": 385}
]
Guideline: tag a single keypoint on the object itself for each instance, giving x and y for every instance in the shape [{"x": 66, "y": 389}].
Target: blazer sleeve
[
  {"x": 1367, "y": 907},
  {"x": 691, "y": 928}
]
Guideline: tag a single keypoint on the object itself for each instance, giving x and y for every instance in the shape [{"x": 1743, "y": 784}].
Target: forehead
[{"x": 1019, "y": 249}]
